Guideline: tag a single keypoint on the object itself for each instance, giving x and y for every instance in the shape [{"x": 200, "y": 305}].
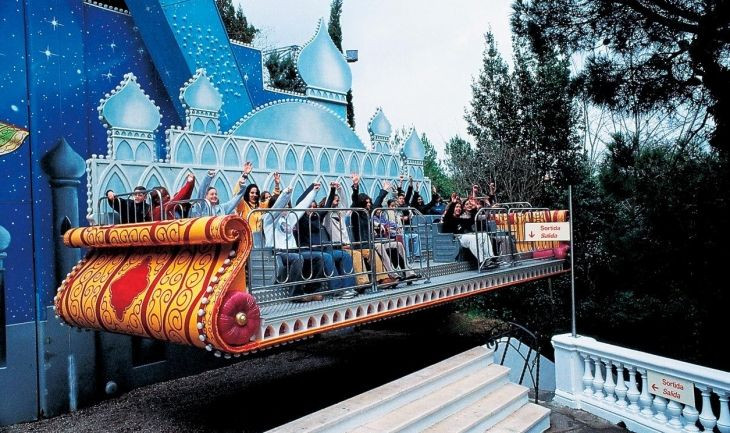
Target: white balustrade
[{"x": 585, "y": 380}]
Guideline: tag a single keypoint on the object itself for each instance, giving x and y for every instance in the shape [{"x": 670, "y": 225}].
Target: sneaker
[
  {"x": 347, "y": 294},
  {"x": 388, "y": 283}
]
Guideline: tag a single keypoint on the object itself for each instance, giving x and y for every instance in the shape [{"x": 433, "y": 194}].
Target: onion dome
[
  {"x": 306, "y": 122},
  {"x": 62, "y": 162},
  {"x": 379, "y": 126},
  {"x": 413, "y": 147},
  {"x": 321, "y": 65},
  {"x": 199, "y": 93},
  {"x": 128, "y": 107},
  {"x": 4, "y": 239}
]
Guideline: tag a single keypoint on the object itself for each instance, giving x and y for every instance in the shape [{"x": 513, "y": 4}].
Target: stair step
[
  {"x": 361, "y": 408},
  {"x": 485, "y": 412},
  {"x": 530, "y": 418},
  {"x": 419, "y": 414}
]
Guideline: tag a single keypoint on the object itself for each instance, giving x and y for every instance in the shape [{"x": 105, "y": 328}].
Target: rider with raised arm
[
  {"x": 210, "y": 194},
  {"x": 161, "y": 197}
]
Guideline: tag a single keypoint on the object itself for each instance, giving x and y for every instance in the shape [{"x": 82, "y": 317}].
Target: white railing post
[
  {"x": 645, "y": 398},
  {"x": 587, "y": 375},
  {"x": 723, "y": 423},
  {"x": 598, "y": 378},
  {"x": 674, "y": 410},
  {"x": 609, "y": 386},
  {"x": 620, "y": 386},
  {"x": 633, "y": 392},
  {"x": 707, "y": 418},
  {"x": 691, "y": 416},
  {"x": 660, "y": 405}
]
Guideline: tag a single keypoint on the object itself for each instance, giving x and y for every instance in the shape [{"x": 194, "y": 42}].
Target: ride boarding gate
[{"x": 212, "y": 282}]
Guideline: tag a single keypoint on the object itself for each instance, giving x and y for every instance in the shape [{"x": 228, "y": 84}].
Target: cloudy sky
[{"x": 416, "y": 57}]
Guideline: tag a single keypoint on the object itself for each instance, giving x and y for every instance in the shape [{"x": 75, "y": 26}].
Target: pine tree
[
  {"x": 235, "y": 22},
  {"x": 283, "y": 73},
  {"x": 335, "y": 31}
]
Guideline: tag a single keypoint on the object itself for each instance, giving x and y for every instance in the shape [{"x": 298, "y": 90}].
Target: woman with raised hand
[
  {"x": 212, "y": 205},
  {"x": 251, "y": 199},
  {"x": 161, "y": 198}
]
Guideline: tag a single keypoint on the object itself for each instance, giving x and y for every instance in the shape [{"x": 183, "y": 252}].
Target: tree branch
[{"x": 658, "y": 18}]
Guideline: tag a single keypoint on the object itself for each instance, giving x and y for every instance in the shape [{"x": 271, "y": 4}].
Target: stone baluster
[
  {"x": 609, "y": 386},
  {"x": 660, "y": 405},
  {"x": 587, "y": 375},
  {"x": 723, "y": 423},
  {"x": 674, "y": 410},
  {"x": 598, "y": 378},
  {"x": 620, "y": 386},
  {"x": 633, "y": 392},
  {"x": 707, "y": 418},
  {"x": 645, "y": 398},
  {"x": 690, "y": 415}
]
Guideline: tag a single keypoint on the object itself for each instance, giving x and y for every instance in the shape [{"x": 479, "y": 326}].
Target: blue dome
[
  {"x": 129, "y": 108},
  {"x": 322, "y": 65},
  {"x": 413, "y": 147},
  {"x": 299, "y": 122},
  {"x": 199, "y": 93},
  {"x": 4, "y": 239},
  {"x": 62, "y": 162},
  {"x": 379, "y": 124}
]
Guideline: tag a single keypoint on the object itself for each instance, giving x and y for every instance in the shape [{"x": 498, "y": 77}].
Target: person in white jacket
[
  {"x": 279, "y": 225},
  {"x": 210, "y": 194}
]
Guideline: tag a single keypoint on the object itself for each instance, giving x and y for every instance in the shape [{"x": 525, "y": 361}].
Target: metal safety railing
[
  {"x": 495, "y": 244},
  {"x": 300, "y": 253},
  {"x": 142, "y": 206}
]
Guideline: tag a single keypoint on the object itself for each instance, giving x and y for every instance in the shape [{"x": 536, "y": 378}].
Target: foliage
[
  {"x": 434, "y": 170},
  {"x": 283, "y": 73},
  {"x": 335, "y": 31},
  {"x": 524, "y": 127},
  {"x": 642, "y": 55},
  {"x": 235, "y": 22}
]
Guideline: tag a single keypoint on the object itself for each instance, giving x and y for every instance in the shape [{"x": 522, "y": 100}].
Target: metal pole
[{"x": 572, "y": 264}]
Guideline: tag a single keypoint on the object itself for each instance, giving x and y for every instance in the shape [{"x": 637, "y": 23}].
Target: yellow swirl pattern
[{"x": 162, "y": 280}]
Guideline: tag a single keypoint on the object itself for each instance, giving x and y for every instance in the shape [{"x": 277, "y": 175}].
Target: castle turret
[{"x": 380, "y": 131}]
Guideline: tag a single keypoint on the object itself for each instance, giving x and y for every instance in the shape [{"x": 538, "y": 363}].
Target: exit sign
[
  {"x": 671, "y": 388},
  {"x": 541, "y": 232}
]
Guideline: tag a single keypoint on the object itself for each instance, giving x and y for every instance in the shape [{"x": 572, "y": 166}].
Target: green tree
[
  {"x": 283, "y": 73},
  {"x": 335, "y": 31},
  {"x": 235, "y": 22},
  {"x": 435, "y": 170},
  {"x": 642, "y": 55}
]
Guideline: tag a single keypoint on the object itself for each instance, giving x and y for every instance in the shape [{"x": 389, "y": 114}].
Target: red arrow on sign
[
  {"x": 654, "y": 387},
  {"x": 532, "y": 235}
]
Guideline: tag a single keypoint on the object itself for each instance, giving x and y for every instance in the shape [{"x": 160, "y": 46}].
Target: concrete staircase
[{"x": 465, "y": 393}]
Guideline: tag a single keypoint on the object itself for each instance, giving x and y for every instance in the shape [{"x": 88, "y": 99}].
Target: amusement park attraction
[{"x": 93, "y": 302}]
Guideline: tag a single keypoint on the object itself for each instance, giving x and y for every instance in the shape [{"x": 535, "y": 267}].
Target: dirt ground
[{"x": 265, "y": 391}]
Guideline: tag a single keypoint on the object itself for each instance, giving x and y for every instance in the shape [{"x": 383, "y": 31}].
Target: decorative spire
[
  {"x": 321, "y": 65},
  {"x": 62, "y": 162},
  {"x": 413, "y": 147},
  {"x": 379, "y": 126},
  {"x": 199, "y": 93},
  {"x": 128, "y": 107}
]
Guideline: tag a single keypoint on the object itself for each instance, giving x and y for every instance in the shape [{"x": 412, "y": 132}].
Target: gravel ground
[{"x": 265, "y": 391}]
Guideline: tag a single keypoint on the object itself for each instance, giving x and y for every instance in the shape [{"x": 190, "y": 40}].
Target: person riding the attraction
[
  {"x": 340, "y": 239},
  {"x": 251, "y": 199},
  {"x": 161, "y": 198},
  {"x": 361, "y": 233},
  {"x": 133, "y": 210},
  {"x": 406, "y": 236},
  {"x": 210, "y": 194},
  {"x": 278, "y": 228},
  {"x": 462, "y": 225},
  {"x": 337, "y": 265}
]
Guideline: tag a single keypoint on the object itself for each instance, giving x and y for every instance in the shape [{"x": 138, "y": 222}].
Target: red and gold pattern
[
  {"x": 192, "y": 231},
  {"x": 517, "y": 224},
  {"x": 163, "y": 280}
]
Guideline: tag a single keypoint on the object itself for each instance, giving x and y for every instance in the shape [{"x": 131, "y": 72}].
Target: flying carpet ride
[{"x": 181, "y": 281}]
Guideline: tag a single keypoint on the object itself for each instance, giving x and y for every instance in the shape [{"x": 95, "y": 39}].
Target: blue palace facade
[{"x": 95, "y": 98}]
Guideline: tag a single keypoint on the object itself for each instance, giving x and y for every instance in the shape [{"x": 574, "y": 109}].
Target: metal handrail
[
  {"x": 518, "y": 332},
  {"x": 486, "y": 214}
]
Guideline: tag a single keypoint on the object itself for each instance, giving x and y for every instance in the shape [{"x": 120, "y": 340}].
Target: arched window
[
  {"x": 143, "y": 152},
  {"x": 272, "y": 159},
  {"x": 124, "y": 151},
  {"x": 339, "y": 163},
  {"x": 291, "y": 160},
  {"x": 184, "y": 152},
  {"x": 207, "y": 155},
  {"x": 253, "y": 156},
  {"x": 230, "y": 156},
  {"x": 308, "y": 161},
  {"x": 324, "y": 163}
]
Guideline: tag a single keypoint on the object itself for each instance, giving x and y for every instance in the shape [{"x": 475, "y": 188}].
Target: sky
[{"x": 416, "y": 57}]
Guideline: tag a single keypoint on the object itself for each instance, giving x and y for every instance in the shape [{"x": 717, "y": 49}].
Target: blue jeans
[
  {"x": 293, "y": 264},
  {"x": 335, "y": 265},
  {"x": 412, "y": 239}
]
